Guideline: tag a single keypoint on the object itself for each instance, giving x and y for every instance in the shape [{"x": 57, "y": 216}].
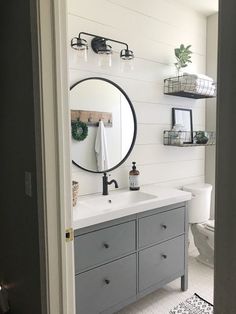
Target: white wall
[
  {"x": 212, "y": 49},
  {"x": 152, "y": 30}
]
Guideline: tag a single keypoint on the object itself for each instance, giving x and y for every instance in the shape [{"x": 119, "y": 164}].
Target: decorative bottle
[{"x": 134, "y": 178}]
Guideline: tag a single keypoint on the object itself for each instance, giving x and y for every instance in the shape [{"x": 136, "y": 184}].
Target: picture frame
[{"x": 183, "y": 118}]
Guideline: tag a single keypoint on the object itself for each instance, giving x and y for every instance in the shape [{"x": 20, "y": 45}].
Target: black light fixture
[
  {"x": 126, "y": 54},
  {"x": 100, "y": 46},
  {"x": 81, "y": 45},
  {"x": 104, "y": 51}
]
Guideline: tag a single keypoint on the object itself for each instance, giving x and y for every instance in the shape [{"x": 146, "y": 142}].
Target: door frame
[
  {"x": 56, "y": 161},
  {"x": 51, "y": 93}
]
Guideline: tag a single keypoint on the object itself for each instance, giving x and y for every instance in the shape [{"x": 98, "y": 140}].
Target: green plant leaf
[
  {"x": 177, "y": 52},
  {"x": 183, "y": 56}
]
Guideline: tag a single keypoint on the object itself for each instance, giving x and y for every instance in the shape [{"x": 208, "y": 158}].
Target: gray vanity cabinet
[
  {"x": 94, "y": 248},
  {"x": 119, "y": 261},
  {"x": 105, "y": 286},
  {"x": 161, "y": 262},
  {"x": 161, "y": 227}
]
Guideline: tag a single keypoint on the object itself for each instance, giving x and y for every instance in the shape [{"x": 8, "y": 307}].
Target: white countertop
[{"x": 84, "y": 216}]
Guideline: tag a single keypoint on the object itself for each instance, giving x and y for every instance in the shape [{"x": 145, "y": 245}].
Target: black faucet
[{"x": 105, "y": 184}]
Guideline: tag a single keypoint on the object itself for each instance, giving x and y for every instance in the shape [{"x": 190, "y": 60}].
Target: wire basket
[
  {"x": 75, "y": 192},
  {"x": 184, "y": 138},
  {"x": 189, "y": 86}
]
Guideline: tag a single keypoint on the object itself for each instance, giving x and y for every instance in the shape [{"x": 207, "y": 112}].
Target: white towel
[
  {"x": 198, "y": 83},
  {"x": 198, "y": 80},
  {"x": 101, "y": 148},
  {"x": 199, "y": 76}
]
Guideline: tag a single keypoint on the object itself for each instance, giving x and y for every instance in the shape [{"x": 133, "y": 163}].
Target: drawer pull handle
[
  {"x": 164, "y": 227},
  {"x": 106, "y": 245},
  {"x": 107, "y": 281},
  {"x": 164, "y": 256}
]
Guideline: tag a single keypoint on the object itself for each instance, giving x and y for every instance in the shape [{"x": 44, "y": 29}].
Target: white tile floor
[{"x": 163, "y": 300}]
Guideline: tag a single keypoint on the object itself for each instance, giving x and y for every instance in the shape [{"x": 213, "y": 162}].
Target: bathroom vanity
[{"x": 120, "y": 260}]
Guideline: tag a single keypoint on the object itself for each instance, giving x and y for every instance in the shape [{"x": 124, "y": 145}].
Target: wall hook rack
[{"x": 92, "y": 118}]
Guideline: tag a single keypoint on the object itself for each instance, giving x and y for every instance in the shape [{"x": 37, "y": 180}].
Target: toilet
[{"x": 202, "y": 227}]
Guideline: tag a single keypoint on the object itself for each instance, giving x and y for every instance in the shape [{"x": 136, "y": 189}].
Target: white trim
[
  {"x": 56, "y": 155},
  {"x": 62, "y": 74}
]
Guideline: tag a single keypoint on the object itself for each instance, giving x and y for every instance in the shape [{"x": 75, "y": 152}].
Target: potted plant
[
  {"x": 183, "y": 57},
  {"x": 201, "y": 137}
]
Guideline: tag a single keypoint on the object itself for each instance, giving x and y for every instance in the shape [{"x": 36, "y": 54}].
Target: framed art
[{"x": 182, "y": 118}]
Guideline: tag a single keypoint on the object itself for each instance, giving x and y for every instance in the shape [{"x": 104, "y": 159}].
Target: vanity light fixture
[{"x": 100, "y": 46}]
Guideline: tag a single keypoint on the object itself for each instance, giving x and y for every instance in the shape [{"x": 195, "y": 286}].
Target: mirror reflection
[{"x": 103, "y": 125}]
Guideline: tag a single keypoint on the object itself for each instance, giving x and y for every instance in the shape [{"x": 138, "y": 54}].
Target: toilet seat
[{"x": 208, "y": 225}]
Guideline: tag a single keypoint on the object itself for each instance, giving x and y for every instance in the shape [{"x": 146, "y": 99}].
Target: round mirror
[{"x": 103, "y": 125}]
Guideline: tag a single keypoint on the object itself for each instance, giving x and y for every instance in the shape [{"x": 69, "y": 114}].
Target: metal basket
[
  {"x": 184, "y": 138},
  {"x": 187, "y": 86}
]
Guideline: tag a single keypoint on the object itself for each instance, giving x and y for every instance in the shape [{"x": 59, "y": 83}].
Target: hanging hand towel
[{"x": 101, "y": 148}]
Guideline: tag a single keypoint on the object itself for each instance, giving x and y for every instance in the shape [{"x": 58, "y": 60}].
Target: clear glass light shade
[
  {"x": 126, "y": 65},
  {"x": 127, "y": 60},
  {"x": 81, "y": 46},
  {"x": 82, "y": 54},
  {"x": 104, "y": 60}
]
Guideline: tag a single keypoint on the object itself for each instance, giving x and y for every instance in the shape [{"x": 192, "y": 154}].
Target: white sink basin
[
  {"x": 116, "y": 201},
  {"x": 91, "y": 210}
]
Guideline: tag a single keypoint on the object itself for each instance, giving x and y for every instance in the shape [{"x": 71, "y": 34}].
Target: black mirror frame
[{"x": 134, "y": 118}]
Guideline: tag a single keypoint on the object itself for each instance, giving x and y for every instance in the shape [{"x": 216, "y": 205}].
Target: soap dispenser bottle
[{"x": 134, "y": 178}]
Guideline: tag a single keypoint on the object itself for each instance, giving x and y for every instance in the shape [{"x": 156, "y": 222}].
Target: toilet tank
[{"x": 200, "y": 204}]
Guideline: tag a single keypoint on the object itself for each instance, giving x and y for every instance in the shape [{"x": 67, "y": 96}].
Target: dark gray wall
[
  {"x": 19, "y": 238},
  {"x": 225, "y": 248}
]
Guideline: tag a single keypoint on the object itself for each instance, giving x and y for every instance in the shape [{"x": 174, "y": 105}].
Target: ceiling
[{"x": 206, "y": 7}]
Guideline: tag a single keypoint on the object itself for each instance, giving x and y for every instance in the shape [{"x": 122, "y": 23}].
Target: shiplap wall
[{"x": 152, "y": 29}]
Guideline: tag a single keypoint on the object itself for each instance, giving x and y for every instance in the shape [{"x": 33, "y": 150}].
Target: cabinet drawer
[
  {"x": 106, "y": 286},
  {"x": 160, "y": 262},
  {"x": 160, "y": 227},
  {"x": 100, "y": 246}
]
